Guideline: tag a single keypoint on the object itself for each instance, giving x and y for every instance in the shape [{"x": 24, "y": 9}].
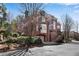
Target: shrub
[
  {"x": 25, "y": 40},
  {"x": 7, "y": 33},
  {"x": 59, "y": 39},
  {"x": 15, "y": 34},
  {"x": 32, "y": 40},
  {"x": 22, "y": 40},
  {"x": 36, "y": 41},
  {"x": 10, "y": 41}
]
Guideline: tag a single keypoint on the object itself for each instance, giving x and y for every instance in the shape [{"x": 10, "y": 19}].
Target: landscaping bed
[
  {"x": 20, "y": 42},
  {"x": 5, "y": 47}
]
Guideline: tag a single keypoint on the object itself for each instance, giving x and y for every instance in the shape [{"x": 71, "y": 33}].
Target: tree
[
  {"x": 67, "y": 26},
  {"x": 9, "y": 17},
  {"x": 77, "y": 26},
  {"x": 20, "y": 23},
  {"x": 4, "y": 25},
  {"x": 14, "y": 25},
  {"x": 3, "y": 13},
  {"x": 76, "y": 34},
  {"x": 30, "y": 11}
]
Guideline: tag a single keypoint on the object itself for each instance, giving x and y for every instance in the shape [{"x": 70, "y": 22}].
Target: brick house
[{"x": 44, "y": 25}]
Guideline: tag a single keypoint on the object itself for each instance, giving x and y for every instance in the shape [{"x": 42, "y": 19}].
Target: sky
[{"x": 55, "y": 9}]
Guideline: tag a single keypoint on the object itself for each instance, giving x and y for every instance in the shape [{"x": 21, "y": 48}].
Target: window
[
  {"x": 43, "y": 28},
  {"x": 43, "y": 19},
  {"x": 54, "y": 25},
  {"x": 37, "y": 28},
  {"x": 58, "y": 27},
  {"x": 51, "y": 27}
]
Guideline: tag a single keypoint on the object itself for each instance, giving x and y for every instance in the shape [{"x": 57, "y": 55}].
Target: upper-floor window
[
  {"x": 43, "y": 19},
  {"x": 54, "y": 25},
  {"x": 51, "y": 27},
  {"x": 37, "y": 28},
  {"x": 58, "y": 27},
  {"x": 43, "y": 28}
]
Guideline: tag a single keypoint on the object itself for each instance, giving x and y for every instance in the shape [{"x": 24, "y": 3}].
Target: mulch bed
[{"x": 5, "y": 48}]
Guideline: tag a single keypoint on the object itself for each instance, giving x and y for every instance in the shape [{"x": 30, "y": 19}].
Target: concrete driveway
[{"x": 68, "y": 49}]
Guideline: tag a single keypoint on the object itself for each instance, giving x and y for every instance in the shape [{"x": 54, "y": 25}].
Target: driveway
[{"x": 68, "y": 49}]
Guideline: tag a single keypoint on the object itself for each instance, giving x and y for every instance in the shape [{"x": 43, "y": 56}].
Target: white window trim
[
  {"x": 54, "y": 25},
  {"x": 44, "y": 28}
]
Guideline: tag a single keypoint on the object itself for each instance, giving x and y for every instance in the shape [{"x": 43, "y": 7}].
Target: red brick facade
[{"x": 45, "y": 26}]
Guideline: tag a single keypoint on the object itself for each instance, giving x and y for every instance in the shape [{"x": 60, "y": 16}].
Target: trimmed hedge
[
  {"x": 24, "y": 40},
  {"x": 28, "y": 40},
  {"x": 10, "y": 41}
]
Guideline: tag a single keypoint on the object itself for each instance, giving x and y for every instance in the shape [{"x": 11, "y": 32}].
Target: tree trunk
[{"x": 2, "y": 37}]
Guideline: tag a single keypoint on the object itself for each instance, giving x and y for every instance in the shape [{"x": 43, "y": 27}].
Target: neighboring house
[{"x": 41, "y": 24}]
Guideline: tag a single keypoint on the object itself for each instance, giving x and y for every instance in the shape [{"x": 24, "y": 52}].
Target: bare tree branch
[
  {"x": 29, "y": 10},
  {"x": 67, "y": 26}
]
